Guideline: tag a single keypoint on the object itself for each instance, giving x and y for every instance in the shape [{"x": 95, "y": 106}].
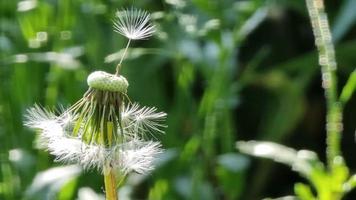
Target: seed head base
[{"x": 107, "y": 82}]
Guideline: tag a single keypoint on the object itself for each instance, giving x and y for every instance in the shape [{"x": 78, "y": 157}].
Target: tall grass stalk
[{"x": 327, "y": 61}]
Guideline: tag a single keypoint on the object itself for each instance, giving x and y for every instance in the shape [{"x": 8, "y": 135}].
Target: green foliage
[
  {"x": 303, "y": 191},
  {"x": 330, "y": 182},
  {"x": 349, "y": 88}
]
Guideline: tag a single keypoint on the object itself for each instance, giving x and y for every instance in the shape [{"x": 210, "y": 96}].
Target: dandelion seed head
[
  {"x": 132, "y": 155},
  {"x": 101, "y": 131},
  {"x": 134, "y": 24}
]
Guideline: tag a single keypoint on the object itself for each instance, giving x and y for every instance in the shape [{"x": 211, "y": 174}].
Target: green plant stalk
[
  {"x": 109, "y": 174},
  {"x": 327, "y": 61},
  {"x": 110, "y": 185},
  {"x": 118, "y": 67}
]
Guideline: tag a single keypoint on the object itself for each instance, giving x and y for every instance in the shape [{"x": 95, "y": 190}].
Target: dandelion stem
[
  {"x": 118, "y": 67},
  {"x": 109, "y": 173},
  {"x": 110, "y": 185},
  {"x": 327, "y": 62}
]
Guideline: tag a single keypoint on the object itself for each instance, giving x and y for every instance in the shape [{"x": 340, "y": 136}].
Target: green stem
[
  {"x": 109, "y": 174},
  {"x": 327, "y": 61},
  {"x": 110, "y": 185},
  {"x": 118, "y": 67}
]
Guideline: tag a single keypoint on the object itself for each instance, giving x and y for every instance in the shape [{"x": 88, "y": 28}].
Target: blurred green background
[{"x": 223, "y": 70}]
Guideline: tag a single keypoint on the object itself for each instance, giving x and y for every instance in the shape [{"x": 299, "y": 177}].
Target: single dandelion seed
[
  {"x": 104, "y": 130},
  {"x": 134, "y": 24}
]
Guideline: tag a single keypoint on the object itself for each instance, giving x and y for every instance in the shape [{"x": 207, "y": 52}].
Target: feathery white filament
[
  {"x": 36, "y": 117},
  {"x": 143, "y": 119},
  {"x": 134, "y": 24},
  {"x": 133, "y": 154},
  {"x": 138, "y": 156}
]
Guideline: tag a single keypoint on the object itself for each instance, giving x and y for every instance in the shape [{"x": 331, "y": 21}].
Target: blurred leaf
[
  {"x": 21, "y": 159},
  {"x": 339, "y": 174},
  {"x": 190, "y": 149},
  {"x": 302, "y": 161},
  {"x": 87, "y": 193},
  {"x": 159, "y": 190},
  {"x": 233, "y": 162},
  {"x": 345, "y": 20},
  {"x": 288, "y": 108},
  {"x": 184, "y": 185},
  {"x": 26, "y": 5},
  {"x": 349, "y": 88},
  {"x": 253, "y": 22},
  {"x": 283, "y": 198},
  {"x": 124, "y": 193},
  {"x": 231, "y": 173},
  {"x": 9, "y": 181},
  {"x": 61, "y": 59},
  {"x": 303, "y": 192},
  {"x": 133, "y": 53},
  {"x": 350, "y": 184},
  {"x": 191, "y": 49},
  {"x": 35, "y": 20},
  {"x": 68, "y": 190},
  {"x": 165, "y": 157},
  {"x": 47, "y": 184}
]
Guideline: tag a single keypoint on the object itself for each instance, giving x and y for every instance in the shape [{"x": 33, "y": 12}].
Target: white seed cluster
[
  {"x": 108, "y": 82},
  {"x": 133, "y": 154}
]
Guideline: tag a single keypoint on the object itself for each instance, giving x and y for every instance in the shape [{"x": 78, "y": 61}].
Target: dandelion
[
  {"x": 104, "y": 130},
  {"x": 134, "y": 24}
]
